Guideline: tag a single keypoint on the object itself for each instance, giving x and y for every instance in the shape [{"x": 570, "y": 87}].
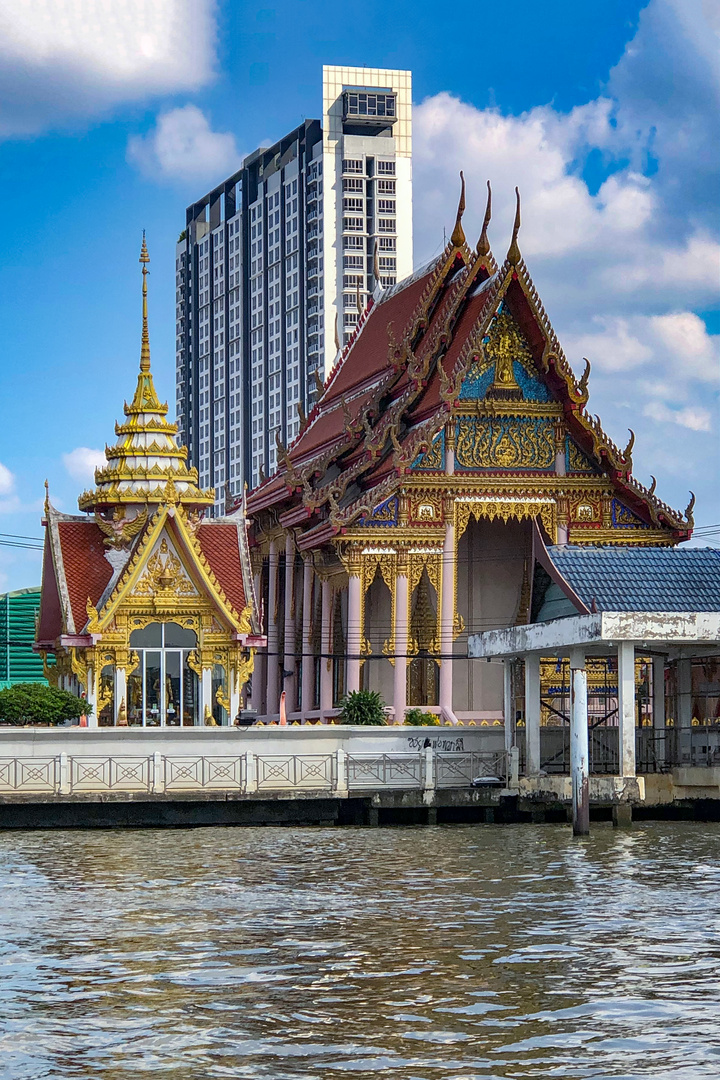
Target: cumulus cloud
[
  {"x": 9, "y": 500},
  {"x": 619, "y": 229},
  {"x": 82, "y": 462},
  {"x": 183, "y": 146},
  {"x": 63, "y": 59}
]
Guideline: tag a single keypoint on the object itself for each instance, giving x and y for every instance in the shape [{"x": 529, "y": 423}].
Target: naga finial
[
  {"x": 301, "y": 414},
  {"x": 651, "y": 489},
  {"x": 145, "y": 346},
  {"x": 319, "y": 384},
  {"x": 582, "y": 385},
  {"x": 689, "y": 510},
  {"x": 483, "y": 247},
  {"x": 458, "y": 235},
  {"x": 513, "y": 255},
  {"x": 358, "y": 301},
  {"x": 630, "y": 443}
]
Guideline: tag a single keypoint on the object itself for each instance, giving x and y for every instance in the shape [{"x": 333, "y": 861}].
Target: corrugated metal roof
[{"x": 642, "y": 578}]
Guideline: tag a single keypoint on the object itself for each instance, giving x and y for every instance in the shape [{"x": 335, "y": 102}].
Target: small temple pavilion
[
  {"x": 147, "y": 608},
  {"x": 451, "y": 441}
]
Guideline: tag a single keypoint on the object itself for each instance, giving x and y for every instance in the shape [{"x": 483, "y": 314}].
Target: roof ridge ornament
[
  {"x": 145, "y": 346},
  {"x": 689, "y": 510},
  {"x": 457, "y": 238},
  {"x": 483, "y": 247},
  {"x": 513, "y": 255}
]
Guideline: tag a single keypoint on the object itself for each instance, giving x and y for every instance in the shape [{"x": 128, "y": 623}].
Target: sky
[{"x": 114, "y": 117}]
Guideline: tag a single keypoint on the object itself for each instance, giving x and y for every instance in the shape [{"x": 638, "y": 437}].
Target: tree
[
  {"x": 364, "y": 708},
  {"x": 419, "y": 718},
  {"x": 33, "y": 703}
]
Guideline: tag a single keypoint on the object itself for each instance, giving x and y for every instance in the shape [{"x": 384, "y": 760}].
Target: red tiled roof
[
  {"x": 50, "y": 624},
  {"x": 87, "y": 571},
  {"x": 219, "y": 544}
]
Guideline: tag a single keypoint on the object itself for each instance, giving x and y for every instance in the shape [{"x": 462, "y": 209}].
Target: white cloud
[
  {"x": 61, "y": 59},
  {"x": 184, "y": 147},
  {"x": 82, "y": 462},
  {"x": 7, "y": 480},
  {"x": 624, "y": 266}
]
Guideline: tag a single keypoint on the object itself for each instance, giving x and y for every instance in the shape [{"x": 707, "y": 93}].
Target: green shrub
[
  {"x": 419, "y": 718},
  {"x": 364, "y": 708},
  {"x": 33, "y": 703}
]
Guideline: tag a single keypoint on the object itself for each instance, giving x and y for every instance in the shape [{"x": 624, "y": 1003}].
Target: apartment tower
[{"x": 273, "y": 265}]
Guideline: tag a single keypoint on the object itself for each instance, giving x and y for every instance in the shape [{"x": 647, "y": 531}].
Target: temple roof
[
  {"x": 146, "y": 456},
  {"x": 640, "y": 578},
  {"x": 398, "y": 382}
]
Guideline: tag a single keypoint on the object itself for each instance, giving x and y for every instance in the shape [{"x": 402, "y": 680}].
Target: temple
[
  {"x": 146, "y": 608},
  {"x": 449, "y": 449}
]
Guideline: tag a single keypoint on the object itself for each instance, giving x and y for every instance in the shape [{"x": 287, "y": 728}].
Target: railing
[
  {"x": 656, "y": 749},
  {"x": 248, "y": 773}
]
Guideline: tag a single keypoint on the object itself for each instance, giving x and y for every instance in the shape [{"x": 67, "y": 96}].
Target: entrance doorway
[{"x": 162, "y": 691}]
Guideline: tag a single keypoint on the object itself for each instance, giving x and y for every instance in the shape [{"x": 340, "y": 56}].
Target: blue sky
[{"x": 114, "y": 117}]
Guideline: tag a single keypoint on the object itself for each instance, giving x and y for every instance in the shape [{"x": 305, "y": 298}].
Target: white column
[
  {"x": 579, "y": 751},
  {"x": 326, "y": 598},
  {"x": 120, "y": 692},
  {"x": 508, "y": 703},
  {"x": 532, "y": 714},
  {"x": 447, "y": 618},
  {"x": 626, "y": 707},
  {"x": 354, "y": 632},
  {"x": 92, "y": 682},
  {"x": 206, "y": 701},
  {"x": 233, "y": 694},
  {"x": 401, "y": 643},
  {"x": 272, "y": 696},
  {"x": 308, "y": 660},
  {"x": 289, "y": 663},
  {"x": 658, "y": 706}
]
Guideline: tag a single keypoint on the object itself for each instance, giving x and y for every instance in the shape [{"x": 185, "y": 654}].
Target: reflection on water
[{"x": 455, "y": 953}]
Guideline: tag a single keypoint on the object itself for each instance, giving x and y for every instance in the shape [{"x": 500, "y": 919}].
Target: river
[{"x": 458, "y": 953}]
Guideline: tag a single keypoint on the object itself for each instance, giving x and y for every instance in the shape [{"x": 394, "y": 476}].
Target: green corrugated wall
[{"x": 18, "y": 662}]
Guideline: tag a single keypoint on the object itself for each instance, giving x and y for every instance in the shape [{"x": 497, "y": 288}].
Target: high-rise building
[{"x": 274, "y": 265}]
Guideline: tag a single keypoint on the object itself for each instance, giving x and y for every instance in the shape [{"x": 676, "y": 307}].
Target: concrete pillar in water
[
  {"x": 401, "y": 642},
  {"x": 272, "y": 694},
  {"x": 508, "y": 704},
  {"x": 579, "y": 751},
  {"x": 658, "y": 706},
  {"x": 626, "y": 708},
  {"x": 532, "y": 714},
  {"x": 308, "y": 660}
]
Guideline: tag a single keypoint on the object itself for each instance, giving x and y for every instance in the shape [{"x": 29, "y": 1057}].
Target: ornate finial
[
  {"x": 376, "y": 264},
  {"x": 513, "y": 254},
  {"x": 582, "y": 385},
  {"x": 301, "y": 414},
  {"x": 630, "y": 443},
  {"x": 458, "y": 236},
  {"x": 261, "y": 473},
  {"x": 337, "y": 336},
  {"x": 145, "y": 347},
  {"x": 319, "y": 384},
  {"x": 47, "y": 497},
  {"x": 279, "y": 445},
  {"x": 483, "y": 243},
  {"x": 651, "y": 489},
  {"x": 689, "y": 510}
]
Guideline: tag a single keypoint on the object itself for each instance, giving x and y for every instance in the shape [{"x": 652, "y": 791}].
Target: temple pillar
[
  {"x": 326, "y": 696},
  {"x": 450, "y": 449},
  {"x": 447, "y": 616},
  {"x": 206, "y": 698},
  {"x": 354, "y": 624},
  {"x": 120, "y": 692},
  {"x": 508, "y": 703},
  {"x": 532, "y": 714},
  {"x": 308, "y": 660},
  {"x": 233, "y": 692},
  {"x": 289, "y": 659},
  {"x": 579, "y": 749},
  {"x": 658, "y": 706},
  {"x": 272, "y": 694},
  {"x": 400, "y": 634},
  {"x": 259, "y": 675},
  {"x": 92, "y": 682},
  {"x": 626, "y": 708}
]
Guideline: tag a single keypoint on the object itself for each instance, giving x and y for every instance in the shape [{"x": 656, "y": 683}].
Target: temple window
[{"x": 162, "y": 690}]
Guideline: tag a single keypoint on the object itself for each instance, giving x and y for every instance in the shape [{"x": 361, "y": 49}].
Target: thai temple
[
  {"x": 147, "y": 608},
  {"x": 451, "y": 452}
]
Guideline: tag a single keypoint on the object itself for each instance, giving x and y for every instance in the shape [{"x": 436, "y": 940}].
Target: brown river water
[{"x": 461, "y": 953}]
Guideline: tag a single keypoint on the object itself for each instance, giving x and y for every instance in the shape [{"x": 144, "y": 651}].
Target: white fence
[{"x": 250, "y": 773}]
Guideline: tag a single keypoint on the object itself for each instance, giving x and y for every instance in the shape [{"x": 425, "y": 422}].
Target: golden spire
[
  {"x": 513, "y": 254},
  {"x": 145, "y": 347},
  {"x": 483, "y": 243},
  {"x": 458, "y": 235}
]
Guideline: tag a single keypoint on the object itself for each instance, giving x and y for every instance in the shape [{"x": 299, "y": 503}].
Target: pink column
[
  {"x": 447, "y": 617},
  {"x": 354, "y": 633},
  {"x": 272, "y": 699},
  {"x": 401, "y": 641},
  {"x": 326, "y": 701},
  {"x": 289, "y": 664},
  {"x": 308, "y": 660}
]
